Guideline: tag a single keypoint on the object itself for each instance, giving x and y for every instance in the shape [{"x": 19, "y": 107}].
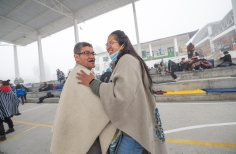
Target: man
[
  {"x": 81, "y": 121},
  {"x": 44, "y": 87}
]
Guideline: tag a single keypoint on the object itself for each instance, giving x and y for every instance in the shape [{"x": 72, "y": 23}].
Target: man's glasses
[
  {"x": 87, "y": 53},
  {"x": 110, "y": 43}
]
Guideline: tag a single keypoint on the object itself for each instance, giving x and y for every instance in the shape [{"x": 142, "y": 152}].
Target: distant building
[
  {"x": 217, "y": 36},
  {"x": 168, "y": 47},
  {"x": 102, "y": 62}
]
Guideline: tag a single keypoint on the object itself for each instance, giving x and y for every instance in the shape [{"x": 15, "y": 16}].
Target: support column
[
  {"x": 136, "y": 30},
  {"x": 234, "y": 12},
  {"x": 17, "y": 74},
  {"x": 150, "y": 49},
  {"x": 41, "y": 62},
  {"x": 176, "y": 47},
  {"x": 76, "y": 31},
  {"x": 212, "y": 46}
]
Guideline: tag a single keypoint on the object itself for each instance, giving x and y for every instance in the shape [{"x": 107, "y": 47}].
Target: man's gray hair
[{"x": 78, "y": 46}]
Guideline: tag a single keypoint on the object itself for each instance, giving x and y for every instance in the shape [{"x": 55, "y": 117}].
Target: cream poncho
[
  {"x": 131, "y": 107},
  {"x": 80, "y": 119}
]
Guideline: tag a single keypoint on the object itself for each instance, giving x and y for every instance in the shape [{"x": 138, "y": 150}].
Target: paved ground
[{"x": 190, "y": 128}]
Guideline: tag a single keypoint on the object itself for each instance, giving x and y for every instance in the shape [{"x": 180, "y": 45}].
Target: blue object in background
[{"x": 212, "y": 62}]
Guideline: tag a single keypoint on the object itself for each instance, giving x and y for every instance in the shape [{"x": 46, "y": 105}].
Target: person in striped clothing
[{"x": 8, "y": 107}]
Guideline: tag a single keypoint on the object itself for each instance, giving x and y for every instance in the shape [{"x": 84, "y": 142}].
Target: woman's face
[{"x": 112, "y": 45}]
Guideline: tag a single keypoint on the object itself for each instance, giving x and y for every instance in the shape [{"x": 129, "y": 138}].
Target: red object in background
[
  {"x": 54, "y": 87},
  {"x": 160, "y": 92}
]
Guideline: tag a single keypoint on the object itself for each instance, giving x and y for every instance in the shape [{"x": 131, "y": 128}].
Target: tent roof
[{"x": 22, "y": 20}]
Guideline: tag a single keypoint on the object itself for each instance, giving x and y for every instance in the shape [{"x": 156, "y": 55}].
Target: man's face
[{"x": 86, "y": 57}]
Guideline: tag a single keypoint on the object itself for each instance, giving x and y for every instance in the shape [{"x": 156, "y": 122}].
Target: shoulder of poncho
[
  {"x": 128, "y": 59},
  {"x": 80, "y": 67}
]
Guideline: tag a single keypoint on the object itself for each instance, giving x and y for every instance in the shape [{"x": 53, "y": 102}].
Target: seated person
[
  {"x": 227, "y": 60},
  {"x": 183, "y": 65},
  {"x": 162, "y": 68},
  {"x": 48, "y": 95},
  {"x": 44, "y": 87},
  {"x": 204, "y": 63},
  {"x": 195, "y": 63}
]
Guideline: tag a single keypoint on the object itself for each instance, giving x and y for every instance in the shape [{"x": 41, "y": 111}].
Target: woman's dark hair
[
  {"x": 5, "y": 83},
  {"x": 123, "y": 39}
]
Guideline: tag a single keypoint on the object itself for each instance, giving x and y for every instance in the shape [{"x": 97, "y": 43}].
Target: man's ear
[{"x": 76, "y": 56}]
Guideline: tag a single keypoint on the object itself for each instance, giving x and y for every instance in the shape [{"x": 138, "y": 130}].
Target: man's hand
[{"x": 84, "y": 78}]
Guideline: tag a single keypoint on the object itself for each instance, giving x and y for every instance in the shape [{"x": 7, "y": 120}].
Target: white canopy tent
[{"x": 25, "y": 21}]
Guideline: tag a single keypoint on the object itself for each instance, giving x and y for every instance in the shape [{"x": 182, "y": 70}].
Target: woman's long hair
[{"x": 129, "y": 49}]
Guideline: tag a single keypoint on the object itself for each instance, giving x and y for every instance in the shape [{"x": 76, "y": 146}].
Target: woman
[
  {"x": 128, "y": 100},
  {"x": 8, "y": 107}
]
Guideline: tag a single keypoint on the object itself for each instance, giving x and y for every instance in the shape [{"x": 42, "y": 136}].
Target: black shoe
[
  {"x": 10, "y": 130},
  {"x": 3, "y": 137}
]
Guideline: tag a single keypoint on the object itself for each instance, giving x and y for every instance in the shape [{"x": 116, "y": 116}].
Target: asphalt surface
[{"x": 190, "y": 128}]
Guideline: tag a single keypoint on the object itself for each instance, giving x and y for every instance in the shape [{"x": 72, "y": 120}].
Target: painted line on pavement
[
  {"x": 216, "y": 144},
  {"x": 34, "y": 124},
  {"x": 198, "y": 126},
  {"x": 178, "y": 141},
  {"x": 34, "y": 108},
  {"x": 18, "y": 134}
]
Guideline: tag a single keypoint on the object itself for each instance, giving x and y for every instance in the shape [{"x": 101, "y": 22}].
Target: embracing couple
[{"x": 118, "y": 117}]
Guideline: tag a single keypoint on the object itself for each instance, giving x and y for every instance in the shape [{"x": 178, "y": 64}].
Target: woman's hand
[{"x": 84, "y": 78}]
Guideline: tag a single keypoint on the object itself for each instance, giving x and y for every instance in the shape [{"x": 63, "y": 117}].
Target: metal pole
[
  {"x": 76, "y": 31},
  {"x": 136, "y": 29},
  {"x": 41, "y": 63},
  {"x": 176, "y": 47},
  {"x": 17, "y": 74},
  {"x": 150, "y": 49}
]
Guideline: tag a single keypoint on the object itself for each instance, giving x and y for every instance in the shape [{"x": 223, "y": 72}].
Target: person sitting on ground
[
  {"x": 172, "y": 67},
  {"x": 162, "y": 68},
  {"x": 48, "y": 95},
  {"x": 227, "y": 60},
  {"x": 195, "y": 64},
  {"x": 183, "y": 65},
  {"x": 44, "y": 87},
  {"x": 8, "y": 108},
  {"x": 204, "y": 63},
  {"x": 21, "y": 93},
  {"x": 106, "y": 76}
]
